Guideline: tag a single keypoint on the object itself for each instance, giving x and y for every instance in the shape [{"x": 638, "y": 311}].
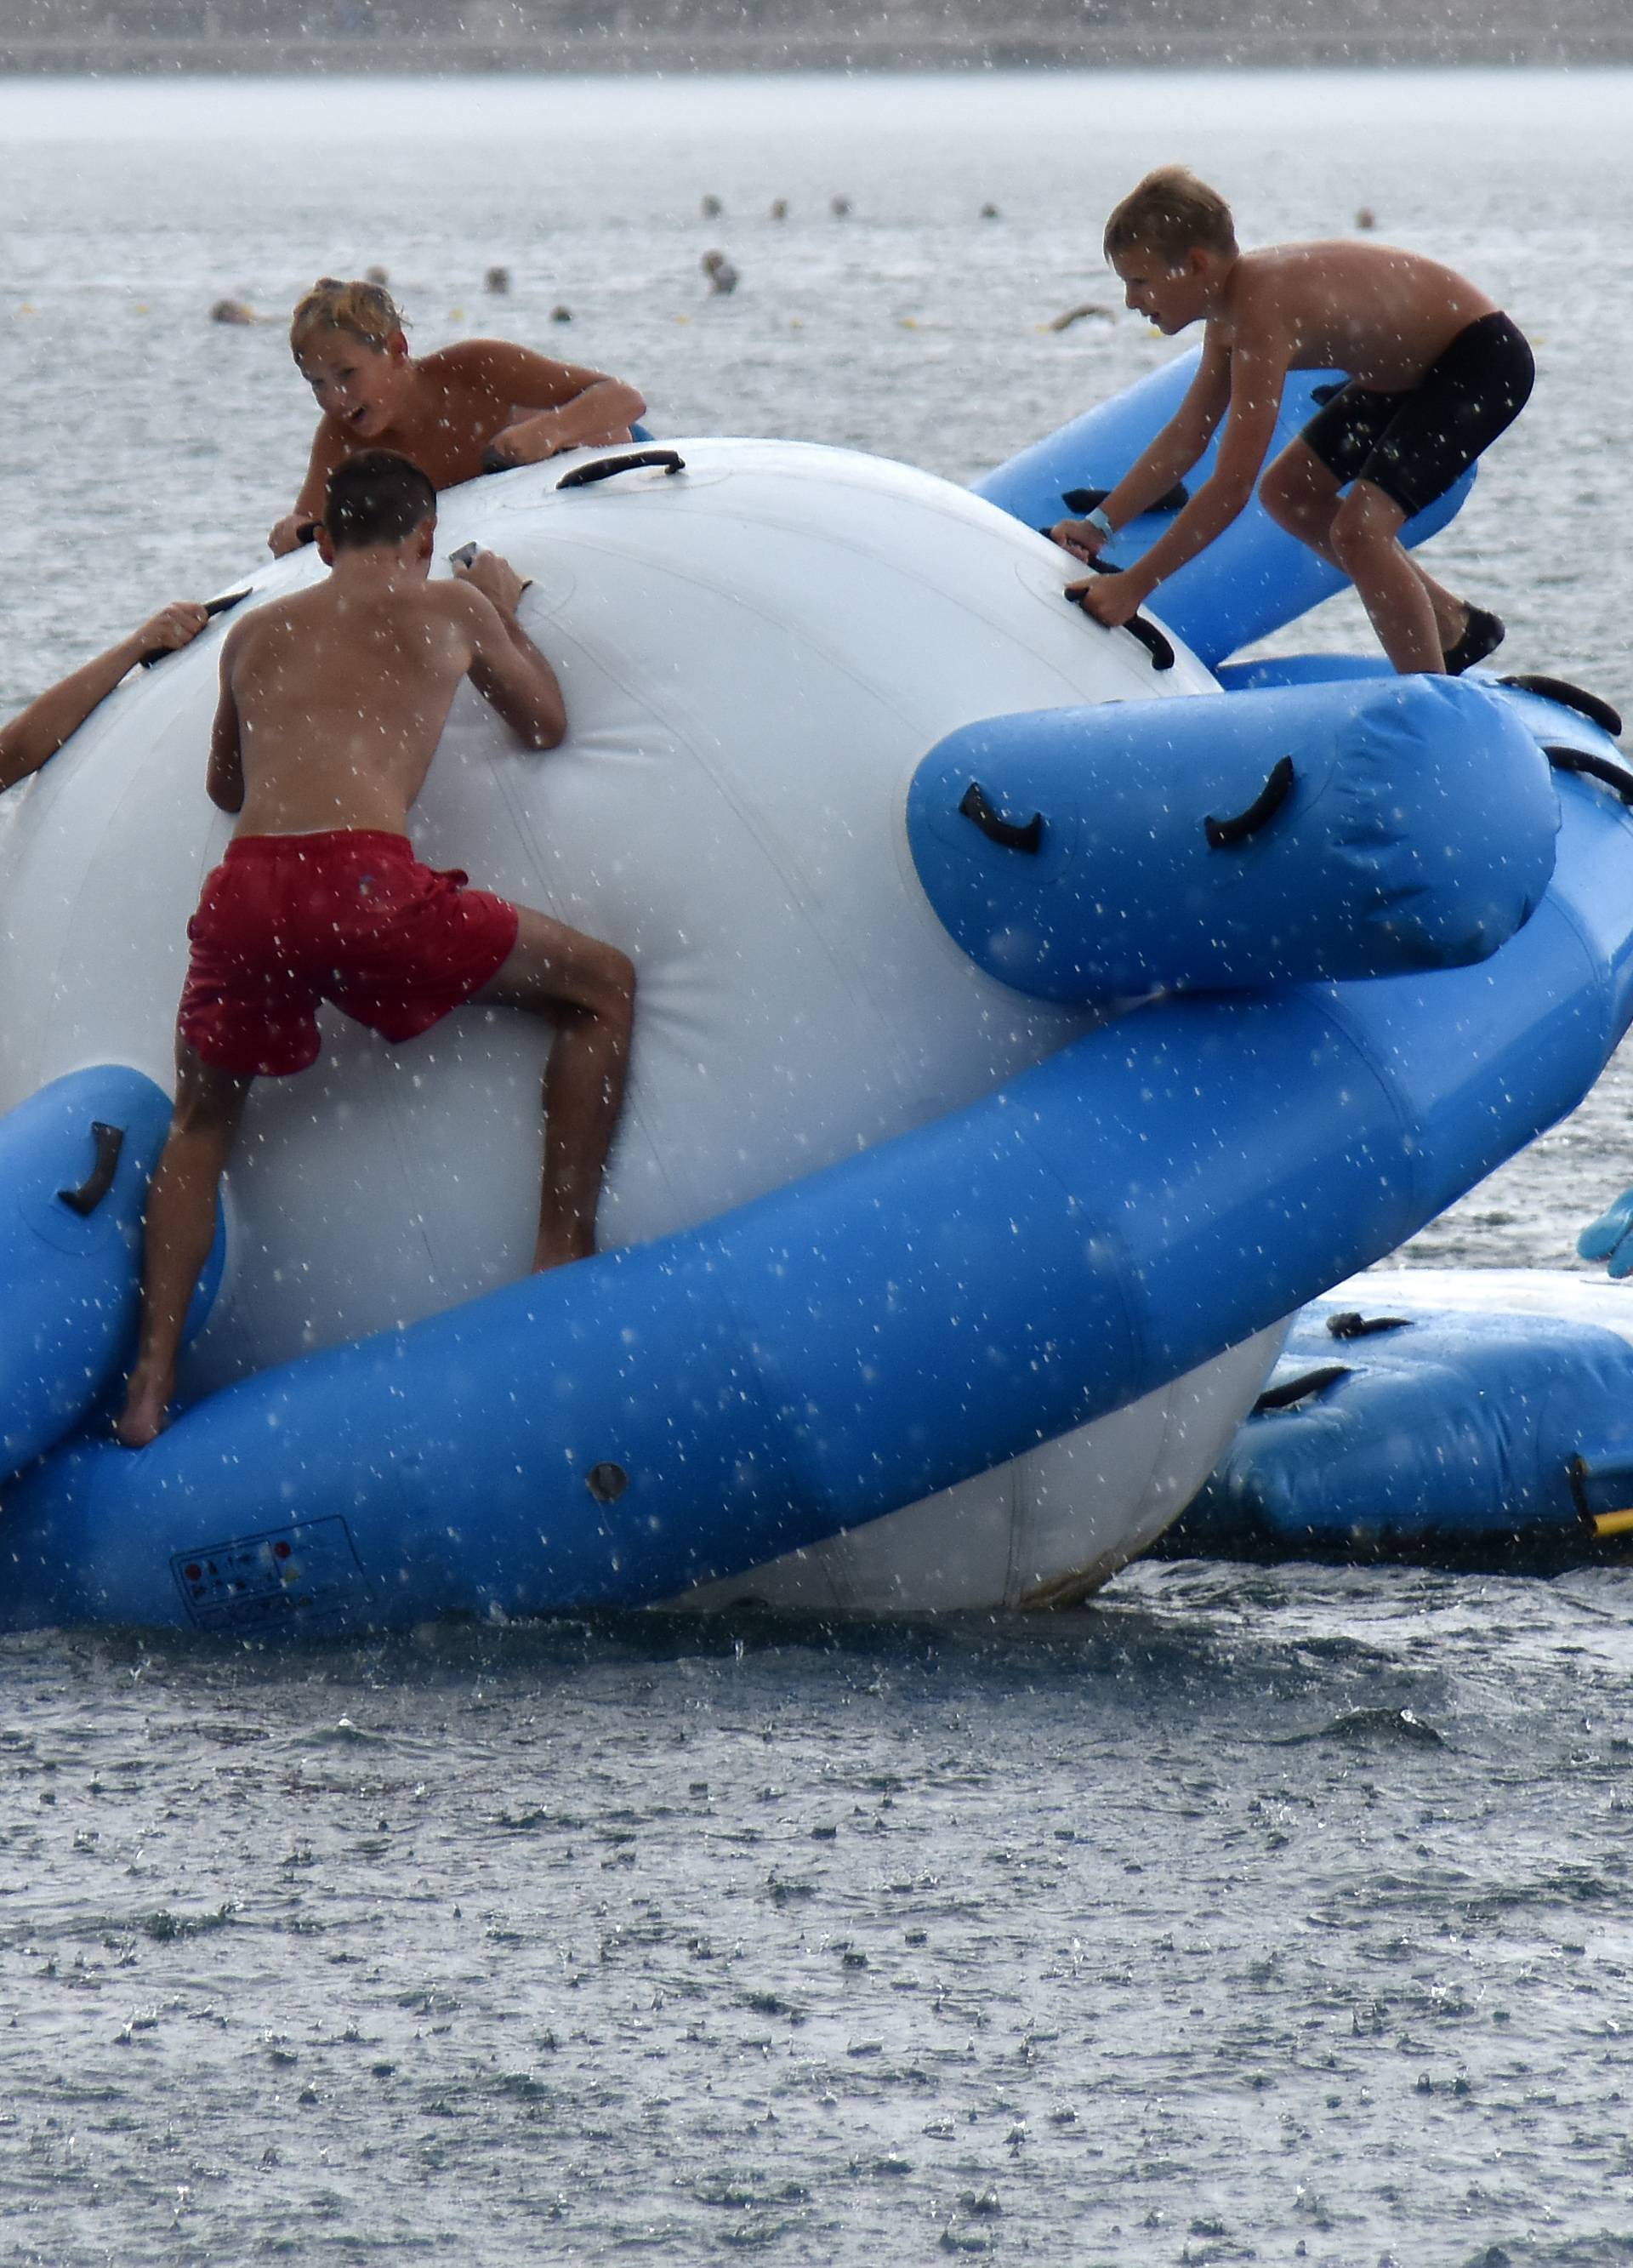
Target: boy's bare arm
[
  {"x": 506, "y": 667},
  {"x": 223, "y": 783},
  {"x": 1169, "y": 457},
  {"x": 32, "y": 738},
  {"x": 1258, "y": 373},
  {"x": 327, "y": 453},
  {"x": 574, "y": 406}
]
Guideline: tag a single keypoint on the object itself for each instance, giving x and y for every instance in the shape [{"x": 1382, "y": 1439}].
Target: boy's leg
[
  {"x": 1366, "y": 540},
  {"x": 1302, "y": 495},
  {"x": 179, "y": 1229},
  {"x": 589, "y": 989}
]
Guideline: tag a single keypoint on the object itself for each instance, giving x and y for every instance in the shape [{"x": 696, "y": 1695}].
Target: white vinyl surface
[{"x": 755, "y": 654}]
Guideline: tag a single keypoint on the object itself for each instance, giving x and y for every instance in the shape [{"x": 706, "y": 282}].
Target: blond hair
[
  {"x": 1171, "y": 213},
  {"x": 366, "y": 311}
]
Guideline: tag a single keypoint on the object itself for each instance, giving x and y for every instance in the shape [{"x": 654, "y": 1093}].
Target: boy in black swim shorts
[{"x": 1435, "y": 370}]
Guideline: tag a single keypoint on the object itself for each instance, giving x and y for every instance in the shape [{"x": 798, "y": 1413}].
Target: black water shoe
[{"x": 1482, "y": 634}]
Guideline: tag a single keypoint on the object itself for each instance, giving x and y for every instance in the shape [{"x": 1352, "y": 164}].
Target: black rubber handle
[
  {"x": 606, "y": 468},
  {"x": 1301, "y": 1388},
  {"x": 1225, "y": 834},
  {"x": 1352, "y": 1324},
  {"x": 1082, "y": 500},
  {"x": 1572, "y": 697},
  {"x": 1148, "y": 634},
  {"x": 1599, "y": 768},
  {"x": 1152, "y": 639},
  {"x": 212, "y": 607},
  {"x": 1027, "y": 837},
  {"x": 109, "y": 1140}
]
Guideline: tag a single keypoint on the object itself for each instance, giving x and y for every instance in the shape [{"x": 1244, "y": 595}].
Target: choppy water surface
[
  {"x": 1245, "y": 1917},
  {"x": 1265, "y": 1915}
]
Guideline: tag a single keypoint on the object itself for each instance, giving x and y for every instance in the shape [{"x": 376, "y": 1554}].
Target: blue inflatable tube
[
  {"x": 1429, "y": 1434},
  {"x": 1408, "y": 824},
  {"x": 621, "y": 1429},
  {"x": 75, "y": 1160},
  {"x": 1252, "y": 579},
  {"x": 1548, "y": 707}
]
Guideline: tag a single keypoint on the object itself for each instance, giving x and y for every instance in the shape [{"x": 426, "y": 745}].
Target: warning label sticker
[{"x": 302, "y": 1573}]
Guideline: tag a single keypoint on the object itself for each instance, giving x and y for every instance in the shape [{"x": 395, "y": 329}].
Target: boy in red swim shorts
[{"x": 332, "y": 704}]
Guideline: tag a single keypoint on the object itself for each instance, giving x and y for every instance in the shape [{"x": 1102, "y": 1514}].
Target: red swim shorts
[{"x": 352, "y": 917}]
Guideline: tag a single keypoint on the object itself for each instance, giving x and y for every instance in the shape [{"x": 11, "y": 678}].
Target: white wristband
[{"x": 1097, "y": 518}]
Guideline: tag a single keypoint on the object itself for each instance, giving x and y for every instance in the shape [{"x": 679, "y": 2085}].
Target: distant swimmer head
[
  {"x": 378, "y": 501},
  {"x": 350, "y": 344}
]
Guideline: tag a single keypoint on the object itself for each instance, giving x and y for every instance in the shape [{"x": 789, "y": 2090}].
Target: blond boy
[
  {"x": 478, "y": 406},
  {"x": 1436, "y": 371}
]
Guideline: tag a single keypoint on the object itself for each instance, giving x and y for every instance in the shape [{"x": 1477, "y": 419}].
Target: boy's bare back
[
  {"x": 1382, "y": 315},
  {"x": 333, "y": 700}
]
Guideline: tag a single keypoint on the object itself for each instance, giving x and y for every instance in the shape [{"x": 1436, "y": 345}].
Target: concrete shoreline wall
[{"x": 435, "y": 36}]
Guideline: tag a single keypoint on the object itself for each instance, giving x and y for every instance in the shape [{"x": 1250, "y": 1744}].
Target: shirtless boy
[
  {"x": 332, "y": 704},
  {"x": 475, "y": 407},
  {"x": 1436, "y": 372},
  {"x": 35, "y": 733}
]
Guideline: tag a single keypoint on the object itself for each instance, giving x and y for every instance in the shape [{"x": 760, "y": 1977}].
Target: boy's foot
[
  {"x": 1482, "y": 634},
  {"x": 146, "y": 1412}
]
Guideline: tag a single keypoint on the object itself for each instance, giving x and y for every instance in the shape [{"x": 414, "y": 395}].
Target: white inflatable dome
[{"x": 756, "y": 654}]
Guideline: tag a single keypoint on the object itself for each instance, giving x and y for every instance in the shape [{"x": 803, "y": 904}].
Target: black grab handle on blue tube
[
  {"x": 109, "y": 1140},
  {"x": 1225, "y": 834},
  {"x": 1009, "y": 833}
]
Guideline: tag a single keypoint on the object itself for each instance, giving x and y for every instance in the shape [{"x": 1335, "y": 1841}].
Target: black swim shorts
[{"x": 1413, "y": 446}]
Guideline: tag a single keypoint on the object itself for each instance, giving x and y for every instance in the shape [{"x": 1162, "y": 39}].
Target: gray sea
[{"x": 1244, "y": 1915}]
